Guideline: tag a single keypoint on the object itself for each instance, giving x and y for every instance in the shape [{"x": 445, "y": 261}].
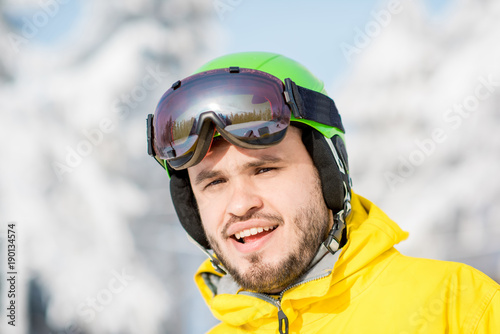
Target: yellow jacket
[{"x": 372, "y": 289}]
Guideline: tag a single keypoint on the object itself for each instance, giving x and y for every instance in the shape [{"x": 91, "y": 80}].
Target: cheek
[
  {"x": 211, "y": 213},
  {"x": 293, "y": 192}
]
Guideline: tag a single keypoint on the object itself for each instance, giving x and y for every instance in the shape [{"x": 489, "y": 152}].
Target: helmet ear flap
[
  {"x": 331, "y": 166},
  {"x": 186, "y": 207}
]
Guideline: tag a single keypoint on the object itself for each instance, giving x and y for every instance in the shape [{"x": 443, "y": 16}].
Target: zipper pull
[{"x": 282, "y": 320}]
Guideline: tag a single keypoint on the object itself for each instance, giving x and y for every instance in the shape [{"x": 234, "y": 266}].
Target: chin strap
[
  {"x": 332, "y": 242},
  {"x": 215, "y": 261}
]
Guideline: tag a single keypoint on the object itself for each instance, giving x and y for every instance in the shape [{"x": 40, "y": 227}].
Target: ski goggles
[{"x": 248, "y": 108}]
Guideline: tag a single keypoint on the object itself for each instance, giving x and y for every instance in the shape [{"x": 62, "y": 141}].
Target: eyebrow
[
  {"x": 261, "y": 161},
  {"x": 205, "y": 174}
]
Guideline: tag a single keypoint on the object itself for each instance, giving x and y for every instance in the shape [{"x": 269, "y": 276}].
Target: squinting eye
[
  {"x": 265, "y": 170},
  {"x": 214, "y": 183}
]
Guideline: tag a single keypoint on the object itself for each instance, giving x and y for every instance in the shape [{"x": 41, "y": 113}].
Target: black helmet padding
[
  {"x": 332, "y": 179},
  {"x": 186, "y": 207}
]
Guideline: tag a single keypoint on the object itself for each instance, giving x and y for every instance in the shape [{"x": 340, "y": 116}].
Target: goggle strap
[
  {"x": 149, "y": 122},
  {"x": 290, "y": 92},
  {"x": 320, "y": 108}
]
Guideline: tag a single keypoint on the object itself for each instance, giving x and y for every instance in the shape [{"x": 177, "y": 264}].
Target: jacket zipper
[{"x": 282, "y": 318}]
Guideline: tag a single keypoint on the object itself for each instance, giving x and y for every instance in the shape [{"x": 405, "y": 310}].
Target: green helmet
[
  {"x": 282, "y": 68},
  {"x": 324, "y": 143}
]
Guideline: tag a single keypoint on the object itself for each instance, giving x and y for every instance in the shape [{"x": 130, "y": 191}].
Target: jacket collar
[{"x": 370, "y": 233}]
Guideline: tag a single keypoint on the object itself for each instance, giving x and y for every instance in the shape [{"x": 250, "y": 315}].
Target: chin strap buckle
[
  {"x": 217, "y": 265},
  {"x": 332, "y": 242},
  {"x": 213, "y": 260}
]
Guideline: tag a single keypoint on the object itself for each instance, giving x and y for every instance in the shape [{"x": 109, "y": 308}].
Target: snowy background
[{"x": 100, "y": 247}]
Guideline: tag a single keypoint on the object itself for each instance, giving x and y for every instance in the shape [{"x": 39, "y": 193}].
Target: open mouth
[{"x": 252, "y": 234}]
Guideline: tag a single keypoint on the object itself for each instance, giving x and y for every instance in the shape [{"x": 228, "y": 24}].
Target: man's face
[{"x": 262, "y": 210}]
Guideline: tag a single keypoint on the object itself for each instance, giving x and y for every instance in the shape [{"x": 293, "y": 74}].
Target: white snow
[{"x": 399, "y": 93}]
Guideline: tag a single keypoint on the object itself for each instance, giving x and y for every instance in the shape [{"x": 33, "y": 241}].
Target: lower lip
[{"x": 253, "y": 245}]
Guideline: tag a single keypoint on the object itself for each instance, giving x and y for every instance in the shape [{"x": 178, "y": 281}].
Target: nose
[{"x": 244, "y": 198}]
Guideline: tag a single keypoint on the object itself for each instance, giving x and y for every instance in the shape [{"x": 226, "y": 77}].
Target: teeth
[{"x": 252, "y": 231}]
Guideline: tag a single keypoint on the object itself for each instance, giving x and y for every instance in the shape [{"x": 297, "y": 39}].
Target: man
[{"x": 259, "y": 179}]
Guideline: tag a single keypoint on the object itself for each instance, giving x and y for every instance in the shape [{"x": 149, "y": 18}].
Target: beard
[{"x": 311, "y": 226}]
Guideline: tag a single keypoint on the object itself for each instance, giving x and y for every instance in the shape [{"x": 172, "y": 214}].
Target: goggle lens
[{"x": 247, "y": 107}]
